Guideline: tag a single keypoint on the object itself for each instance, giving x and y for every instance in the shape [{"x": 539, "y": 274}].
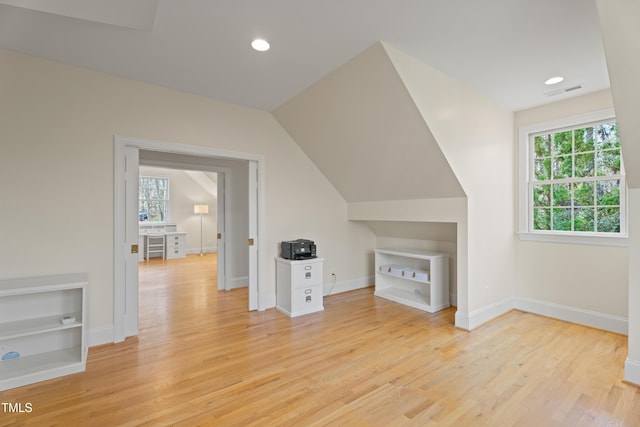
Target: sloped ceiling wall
[
  {"x": 360, "y": 126},
  {"x": 415, "y": 230},
  {"x": 619, "y": 23},
  {"x": 137, "y": 15}
]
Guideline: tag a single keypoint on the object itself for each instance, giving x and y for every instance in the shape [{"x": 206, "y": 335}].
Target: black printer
[{"x": 298, "y": 249}]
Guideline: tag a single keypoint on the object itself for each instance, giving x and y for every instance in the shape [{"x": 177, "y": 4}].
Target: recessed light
[
  {"x": 260, "y": 45},
  {"x": 554, "y": 80}
]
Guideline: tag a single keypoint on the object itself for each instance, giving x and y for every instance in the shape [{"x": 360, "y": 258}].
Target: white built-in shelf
[
  {"x": 39, "y": 325},
  {"x": 429, "y": 291},
  {"x": 33, "y": 368},
  {"x": 31, "y": 311},
  {"x": 406, "y": 278}
]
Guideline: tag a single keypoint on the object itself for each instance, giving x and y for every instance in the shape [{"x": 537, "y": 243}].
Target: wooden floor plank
[{"x": 202, "y": 358}]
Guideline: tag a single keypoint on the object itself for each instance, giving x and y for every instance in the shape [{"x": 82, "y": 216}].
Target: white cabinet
[
  {"x": 36, "y": 342},
  {"x": 176, "y": 242},
  {"x": 299, "y": 286},
  {"x": 419, "y": 279}
]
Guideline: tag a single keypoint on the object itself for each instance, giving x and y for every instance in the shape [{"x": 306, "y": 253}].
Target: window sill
[{"x": 576, "y": 239}]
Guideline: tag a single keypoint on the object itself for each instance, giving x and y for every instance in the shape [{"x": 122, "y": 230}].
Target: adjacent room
[
  {"x": 359, "y": 213},
  {"x": 184, "y": 199}
]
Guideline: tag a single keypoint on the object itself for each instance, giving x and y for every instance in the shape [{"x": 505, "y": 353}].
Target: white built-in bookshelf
[
  {"x": 36, "y": 342},
  {"x": 416, "y": 278}
]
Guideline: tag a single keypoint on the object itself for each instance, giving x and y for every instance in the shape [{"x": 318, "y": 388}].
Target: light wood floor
[{"x": 202, "y": 359}]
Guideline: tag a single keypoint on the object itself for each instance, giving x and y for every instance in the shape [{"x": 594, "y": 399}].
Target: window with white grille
[
  {"x": 574, "y": 180},
  {"x": 153, "y": 199}
]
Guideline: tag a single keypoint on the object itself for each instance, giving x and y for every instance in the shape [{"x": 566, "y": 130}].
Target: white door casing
[
  {"x": 222, "y": 206},
  {"x": 131, "y": 257},
  {"x": 125, "y": 282},
  {"x": 253, "y": 235}
]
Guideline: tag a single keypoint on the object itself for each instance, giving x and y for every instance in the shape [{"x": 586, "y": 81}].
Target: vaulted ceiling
[{"x": 502, "y": 48}]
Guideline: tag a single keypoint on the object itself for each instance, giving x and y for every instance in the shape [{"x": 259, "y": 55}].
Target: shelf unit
[
  {"x": 31, "y": 311},
  {"x": 155, "y": 245},
  {"x": 428, "y": 292}
]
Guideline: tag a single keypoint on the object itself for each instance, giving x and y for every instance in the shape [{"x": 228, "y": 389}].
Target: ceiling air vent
[{"x": 563, "y": 90}]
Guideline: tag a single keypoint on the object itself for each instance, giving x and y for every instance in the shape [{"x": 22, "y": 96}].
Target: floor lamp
[{"x": 201, "y": 209}]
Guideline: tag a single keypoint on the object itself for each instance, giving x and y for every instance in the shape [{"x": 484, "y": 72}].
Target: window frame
[
  {"x": 525, "y": 197},
  {"x": 166, "y": 200}
]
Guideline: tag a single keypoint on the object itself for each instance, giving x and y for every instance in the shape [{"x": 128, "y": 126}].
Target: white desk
[{"x": 175, "y": 241}]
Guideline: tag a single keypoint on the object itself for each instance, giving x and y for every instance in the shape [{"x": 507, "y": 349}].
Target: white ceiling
[{"x": 503, "y": 48}]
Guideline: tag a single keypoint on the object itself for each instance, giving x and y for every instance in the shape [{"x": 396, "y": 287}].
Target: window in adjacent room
[
  {"x": 574, "y": 179},
  {"x": 153, "y": 198}
]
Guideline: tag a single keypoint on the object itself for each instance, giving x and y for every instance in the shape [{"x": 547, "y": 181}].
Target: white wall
[
  {"x": 360, "y": 127},
  {"x": 184, "y": 192},
  {"x": 632, "y": 365},
  {"x": 592, "y": 278},
  {"x": 57, "y": 163},
  {"x": 620, "y": 32},
  {"x": 476, "y": 137}
]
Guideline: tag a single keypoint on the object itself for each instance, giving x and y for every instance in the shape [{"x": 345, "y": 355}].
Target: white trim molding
[
  {"x": 476, "y": 318},
  {"x": 119, "y": 280},
  {"x": 101, "y": 335},
  {"x": 238, "y": 282},
  {"x": 574, "y": 239},
  {"x": 525, "y": 151},
  {"x": 632, "y": 371},
  {"x": 206, "y": 250},
  {"x": 594, "y": 319}
]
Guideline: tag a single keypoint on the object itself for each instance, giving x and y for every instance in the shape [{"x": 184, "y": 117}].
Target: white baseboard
[
  {"x": 204, "y": 250},
  {"x": 594, "y": 319},
  {"x": 269, "y": 301},
  {"x": 347, "y": 285},
  {"x": 632, "y": 371},
  {"x": 470, "y": 321},
  {"x": 606, "y": 322},
  {"x": 101, "y": 335},
  {"x": 239, "y": 282}
]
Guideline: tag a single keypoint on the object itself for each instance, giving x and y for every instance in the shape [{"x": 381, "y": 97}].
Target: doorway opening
[
  {"x": 179, "y": 209},
  {"x": 242, "y": 168}
]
